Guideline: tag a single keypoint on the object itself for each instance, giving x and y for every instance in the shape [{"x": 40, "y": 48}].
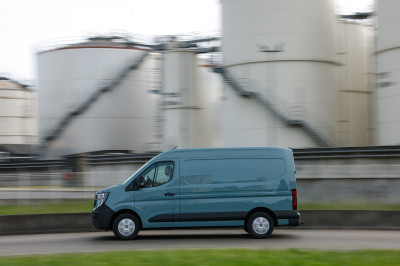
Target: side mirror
[
  {"x": 135, "y": 184},
  {"x": 140, "y": 181}
]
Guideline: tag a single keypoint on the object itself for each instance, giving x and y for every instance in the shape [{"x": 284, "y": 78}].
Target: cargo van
[{"x": 253, "y": 188}]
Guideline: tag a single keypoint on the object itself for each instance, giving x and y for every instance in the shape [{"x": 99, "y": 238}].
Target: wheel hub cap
[
  {"x": 126, "y": 227},
  {"x": 261, "y": 225}
]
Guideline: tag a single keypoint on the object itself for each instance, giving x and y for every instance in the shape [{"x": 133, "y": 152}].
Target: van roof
[{"x": 237, "y": 151}]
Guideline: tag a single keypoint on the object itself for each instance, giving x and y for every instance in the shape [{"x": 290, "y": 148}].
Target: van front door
[{"x": 157, "y": 200}]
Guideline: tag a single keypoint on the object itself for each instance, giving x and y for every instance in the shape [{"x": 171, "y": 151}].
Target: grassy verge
[
  {"x": 213, "y": 257},
  {"x": 65, "y": 206}
]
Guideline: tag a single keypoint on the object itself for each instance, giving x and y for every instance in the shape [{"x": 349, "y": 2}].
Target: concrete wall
[
  {"x": 45, "y": 223},
  {"x": 349, "y": 190},
  {"x": 350, "y": 180}
]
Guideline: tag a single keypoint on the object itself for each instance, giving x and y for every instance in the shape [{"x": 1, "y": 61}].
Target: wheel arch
[
  {"x": 261, "y": 209},
  {"x": 115, "y": 215}
]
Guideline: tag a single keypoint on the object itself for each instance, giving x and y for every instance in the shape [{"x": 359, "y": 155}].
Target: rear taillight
[{"x": 294, "y": 199}]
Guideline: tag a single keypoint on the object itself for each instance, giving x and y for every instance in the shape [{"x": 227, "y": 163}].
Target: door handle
[{"x": 169, "y": 194}]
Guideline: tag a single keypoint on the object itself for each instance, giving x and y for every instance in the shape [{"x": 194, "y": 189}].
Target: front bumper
[{"x": 101, "y": 217}]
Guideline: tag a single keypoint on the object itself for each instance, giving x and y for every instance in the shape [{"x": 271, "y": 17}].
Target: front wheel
[
  {"x": 126, "y": 226},
  {"x": 260, "y": 225}
]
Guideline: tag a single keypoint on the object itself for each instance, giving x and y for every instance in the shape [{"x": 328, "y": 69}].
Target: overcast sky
[{"x": 26, "y": 24}]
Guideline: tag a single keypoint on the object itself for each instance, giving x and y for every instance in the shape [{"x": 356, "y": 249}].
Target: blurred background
[{"x": 90, "y": 92}]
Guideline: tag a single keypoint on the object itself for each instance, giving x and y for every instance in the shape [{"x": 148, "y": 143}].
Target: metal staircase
[
  {"x": 239, "y": 90},
  {"x": 67, "y": 119}
]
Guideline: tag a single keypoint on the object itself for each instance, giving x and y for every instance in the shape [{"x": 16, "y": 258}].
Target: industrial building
[
  {"x": 93, "y": 96},
  {"x": 292, "y": 56},
  {"x": 18, "y": 118},
  {"x": 387, "y": 96},
  {"x": 281, "y": 73}
]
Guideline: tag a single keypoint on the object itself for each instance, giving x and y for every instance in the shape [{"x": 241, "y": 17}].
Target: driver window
[
  {"x": 164, "y": 173},
  {"x": 157, "y": 174},
  {"x": 148, "y": 176}
]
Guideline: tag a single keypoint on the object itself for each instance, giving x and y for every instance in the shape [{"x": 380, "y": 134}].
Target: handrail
[{"x": 308, "y": 128}]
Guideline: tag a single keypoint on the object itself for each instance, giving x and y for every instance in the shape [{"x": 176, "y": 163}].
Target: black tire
[
  {"x": 126, "y": 226},
  {"x": 260, "y": 225}
]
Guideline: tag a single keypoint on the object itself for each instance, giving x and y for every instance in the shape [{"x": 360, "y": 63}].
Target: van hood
[{"x": 108, "y": 189}]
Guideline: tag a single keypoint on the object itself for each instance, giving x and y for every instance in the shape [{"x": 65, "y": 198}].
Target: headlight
[{"x": 100, "y": 199}]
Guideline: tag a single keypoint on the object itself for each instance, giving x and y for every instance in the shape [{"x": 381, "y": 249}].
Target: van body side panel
[{"x": 220, "y": 191}]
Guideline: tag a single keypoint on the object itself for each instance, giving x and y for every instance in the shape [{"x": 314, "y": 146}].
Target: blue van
[{"x": 253, "y": 188}]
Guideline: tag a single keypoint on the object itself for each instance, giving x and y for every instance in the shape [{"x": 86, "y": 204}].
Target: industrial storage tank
[
  {"x": 18, "y": 113},
  {"x": 95, "y": 96},
  {"x": 388, "y": 73},
  {"x": 191, "y": 98},
  {"x": 179, "y": 98},
  {"x": 355, "y": 42},
  {"x": 279, "y": 69}
]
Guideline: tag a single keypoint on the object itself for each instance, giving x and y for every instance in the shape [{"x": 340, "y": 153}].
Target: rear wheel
[
  {"x": 126, "y": 226},
  {"x": 260, "y": 225}
]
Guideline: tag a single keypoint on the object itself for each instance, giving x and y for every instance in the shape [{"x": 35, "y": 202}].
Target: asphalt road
[{"x": 192, "y": 239}]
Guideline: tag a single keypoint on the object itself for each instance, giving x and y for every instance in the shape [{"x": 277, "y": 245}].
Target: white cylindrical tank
[
  {"x": 18, "y": 113},
  {"x": 354, "y": 53},
  {"x": 180, "y": 99},
  {"x": 191, "y": 95},
  {"x": 210, "y": 86},
  {"x": 120, "y": 119},
  {"x": 285, "y": 52},
  {"x": 388, "y": 73}
]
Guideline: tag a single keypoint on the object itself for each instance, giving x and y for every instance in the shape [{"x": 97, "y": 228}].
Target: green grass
[
  {"x": 68, "y": 206},
  {"x": 65, "y": 206},
  {"x": 213, "y": 257}
]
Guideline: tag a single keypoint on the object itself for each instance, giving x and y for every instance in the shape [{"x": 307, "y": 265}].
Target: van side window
[
  {"x": 224, "y": 171},
  {"x": 157, "y": 174}
]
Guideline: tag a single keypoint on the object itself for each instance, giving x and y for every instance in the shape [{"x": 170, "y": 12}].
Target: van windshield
[{"x": 139, "y": 170}]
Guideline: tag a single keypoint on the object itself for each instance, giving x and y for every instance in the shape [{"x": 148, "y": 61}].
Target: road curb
[{"x": 313, "y": 219}]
